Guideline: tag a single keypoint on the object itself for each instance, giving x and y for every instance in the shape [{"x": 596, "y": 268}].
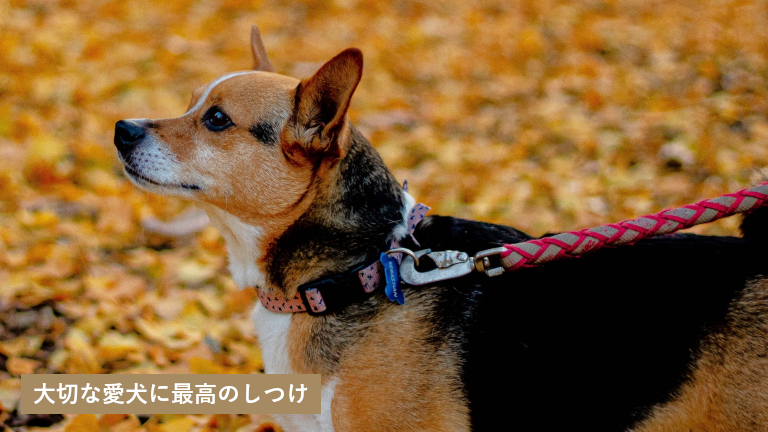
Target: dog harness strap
[
  {"x": 328, "y": 294},
  {"x": 574, "y": 243}
]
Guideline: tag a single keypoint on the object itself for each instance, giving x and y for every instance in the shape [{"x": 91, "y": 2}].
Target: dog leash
[{"x": 453, "y": 264}]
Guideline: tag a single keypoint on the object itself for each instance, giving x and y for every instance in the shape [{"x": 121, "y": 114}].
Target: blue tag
[{"x": 392, "y": 275}]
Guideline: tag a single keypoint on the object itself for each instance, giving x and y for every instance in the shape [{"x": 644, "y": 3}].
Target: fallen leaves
[
  {"x": 83, "y": 423},
  {"x": 547, "y": 116},
  {"x": 10, "y": 394}
]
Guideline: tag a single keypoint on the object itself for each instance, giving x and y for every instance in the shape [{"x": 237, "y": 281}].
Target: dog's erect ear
[
  {"x": 322, "y": 102},
  {"x": 260, "y": 60}
]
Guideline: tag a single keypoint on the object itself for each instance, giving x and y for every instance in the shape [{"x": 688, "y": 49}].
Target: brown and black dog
[{"x": 669, "y": 334}]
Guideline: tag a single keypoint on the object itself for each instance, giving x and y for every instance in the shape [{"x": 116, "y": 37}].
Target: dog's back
[{"x": 610, "y": 339}]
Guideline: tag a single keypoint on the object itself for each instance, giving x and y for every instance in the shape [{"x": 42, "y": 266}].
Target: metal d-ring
[{"x": 404, "y": 251}]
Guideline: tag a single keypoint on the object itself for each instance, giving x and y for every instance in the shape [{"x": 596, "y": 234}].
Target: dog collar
[{"x": 333, "y": 293}]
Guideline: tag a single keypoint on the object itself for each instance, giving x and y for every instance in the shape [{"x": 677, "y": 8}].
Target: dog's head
[{"x": 252, "y": 142}]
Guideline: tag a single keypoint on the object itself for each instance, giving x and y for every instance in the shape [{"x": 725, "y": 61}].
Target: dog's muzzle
[{"x": 127, "y": 135}]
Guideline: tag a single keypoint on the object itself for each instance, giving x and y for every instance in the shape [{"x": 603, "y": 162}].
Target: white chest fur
[{"x": 243, "y": 244}]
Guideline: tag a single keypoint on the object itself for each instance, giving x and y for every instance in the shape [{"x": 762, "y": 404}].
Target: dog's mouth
[{"x": 138, "y": 176}]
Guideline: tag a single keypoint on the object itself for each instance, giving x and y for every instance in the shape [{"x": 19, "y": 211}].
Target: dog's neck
[{"x": 356, "y": 210}]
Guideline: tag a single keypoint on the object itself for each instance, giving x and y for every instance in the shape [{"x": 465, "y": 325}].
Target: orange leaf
[{"x": 83, "y": 423}]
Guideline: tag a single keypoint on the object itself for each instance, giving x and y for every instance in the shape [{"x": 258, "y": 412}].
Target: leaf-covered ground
[{"x": 546, "y": 115}]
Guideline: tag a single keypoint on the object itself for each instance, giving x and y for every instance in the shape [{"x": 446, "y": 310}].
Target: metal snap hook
[{"x": 454, "y": 264}]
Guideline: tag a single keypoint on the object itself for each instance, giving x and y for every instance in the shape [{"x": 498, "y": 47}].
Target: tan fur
[
  {"x": 260, "y": 59},
  {"x": 268, "y": 191},
  {"x": 728, "y": 390},
  {"x": 265, "y": 185},
  {"x": 414, "y": 389}
]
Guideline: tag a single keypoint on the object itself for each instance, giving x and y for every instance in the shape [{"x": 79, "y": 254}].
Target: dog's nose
[{"x": 127, "y": 135}]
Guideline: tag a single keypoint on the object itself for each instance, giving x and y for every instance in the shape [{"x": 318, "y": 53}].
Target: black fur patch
[
  {"x": 264, "y": 132},
  {"x": 352, "y": 225},
  {"x": 754, "y": 227},
  {"x": 339, "y": 231},
  {"x": 598, "y": 339}
]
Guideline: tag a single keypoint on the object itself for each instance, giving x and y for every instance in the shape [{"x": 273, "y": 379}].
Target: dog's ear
[
  {"x": 260, "y": 59},
  {"x": 321, "y": 105}
]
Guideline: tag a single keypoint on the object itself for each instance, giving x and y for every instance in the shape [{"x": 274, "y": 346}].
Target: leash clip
[{"x": 450, "y": 265}]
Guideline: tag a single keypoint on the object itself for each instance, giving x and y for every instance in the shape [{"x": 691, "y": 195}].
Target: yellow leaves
[
  {"x": 17, "y": 366},
  {"x": 83, "y": 423},
  {"x": 102, "y": 182},
  {"x": 38, "y": 220},
  {"x": 172, "y": 335},
  {"x": 593, "y": 99},
  {"x": 130, "y": 424},
  {"x": 587, "y": 37},
  {"x": 709, "y": 69},
  {"x": 83, "y": 357},
  {"x": 26, "y": 124},
  {"x": 239, "y": 301},
  {"x": 192, "y": 272},
  {"x": 110, "y": 420},
  {"x": 211, "y": 241},
  {"x": 115, "y": 218},
  {"x": 91, "y": 152},
  {"x": 203, "y": 366},
  {"x": 10, "y": 394},
  {"x": 43, "y": 161},
  {"x": 114, "y": 346},
  {"x": 248, "y": 354},
  {"x": 167, "y": 308},
  {"x": 211, "y": 303},
  {"x": 180, "y": 424},
  {"x": 112, "y": 283},
  {"x": 45, "y": 148},
  {"x": 21, "y": 346},
  {"x": 104, "y": 423},
  {"x": 530, "y": 44},
  {"x": 58, "y": 262},
  {"x": 547, "y": 116},
  {"x": 193, "y": 317}
]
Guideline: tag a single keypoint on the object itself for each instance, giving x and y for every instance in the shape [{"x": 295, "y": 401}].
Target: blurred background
[{"x": 546, "y": 115}]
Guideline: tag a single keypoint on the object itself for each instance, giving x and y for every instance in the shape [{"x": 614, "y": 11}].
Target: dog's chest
[{"x": 273, "y": 329}]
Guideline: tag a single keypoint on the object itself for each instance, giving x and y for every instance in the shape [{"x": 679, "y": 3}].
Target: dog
[{"x": 668, "y": 334}]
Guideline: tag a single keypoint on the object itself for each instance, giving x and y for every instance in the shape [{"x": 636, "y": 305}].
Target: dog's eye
[{"x": 215, "y": 120}]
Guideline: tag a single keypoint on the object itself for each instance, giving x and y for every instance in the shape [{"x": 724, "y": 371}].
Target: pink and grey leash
[
  {"x": 454, "y": 264},
  {"x": 530, "y": 253},
  {"x": 571, "y": 244}
]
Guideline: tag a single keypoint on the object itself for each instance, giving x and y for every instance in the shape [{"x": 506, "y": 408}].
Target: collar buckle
[
  {"x": 313, "y": 300},
  {"x": 328, "y": 295}
]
